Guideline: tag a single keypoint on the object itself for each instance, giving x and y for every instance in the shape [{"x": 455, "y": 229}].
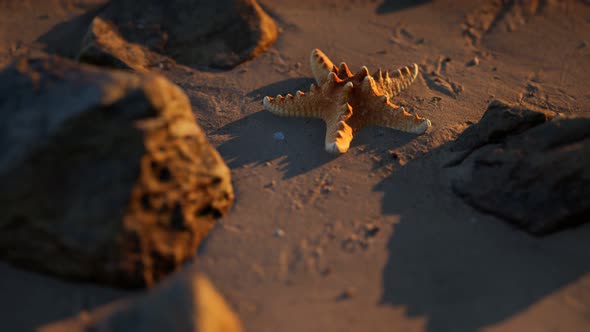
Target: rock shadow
[
  {"x": 65, "y": 38},
  {"x": 389, "y": 6},
  {"x": 30, "y": 300},
  {"x": 464, "y": 270}
]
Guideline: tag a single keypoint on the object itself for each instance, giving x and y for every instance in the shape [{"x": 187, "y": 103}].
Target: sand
[{"x": 372, "y": 240}]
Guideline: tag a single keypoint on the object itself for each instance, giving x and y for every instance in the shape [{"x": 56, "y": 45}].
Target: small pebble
[
  {"x": 279, "y": 233},
  {"x": 317, "y": 252},
  {"x": 279, "y": 136},
  {"x": 347, "y": 294},
  {"x": 473, "y": 62},
  {"x": 371, "y": 230}
]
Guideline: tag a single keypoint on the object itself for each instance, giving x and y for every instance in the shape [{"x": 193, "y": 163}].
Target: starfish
[{"x": 348, "y": 102}]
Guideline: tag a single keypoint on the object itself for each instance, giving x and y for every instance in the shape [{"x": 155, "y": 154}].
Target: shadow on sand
[
  {"x": 303, "y": 144},
  {"x": 389, "y": 6},
  {"x": 31, "y": 300},
  {"x": 464, "y": 270},
  {"x": 65, "y": 38},
  {"x": 283, "y": 87},
  {"x": 302, "y": 148}
]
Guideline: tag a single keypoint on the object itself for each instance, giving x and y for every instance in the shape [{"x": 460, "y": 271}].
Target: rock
[
  {"x": 106, "y": 175},
  {"x": 473, "y": 62},
  {"x": 347, "y": 294},
  {"x": 104, "y": 46},
  {"x": 498, "y": 122},
  {"x": 527, "y": 169},
  {"x": 187, "y": 302},
  {"x": 222, "y": 33}
]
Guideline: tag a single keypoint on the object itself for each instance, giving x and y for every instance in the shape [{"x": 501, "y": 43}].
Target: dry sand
[{"x": 374, "y": 240}]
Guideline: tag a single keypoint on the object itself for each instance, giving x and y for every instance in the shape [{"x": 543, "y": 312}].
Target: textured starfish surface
[{"x": 348, "y": 102}]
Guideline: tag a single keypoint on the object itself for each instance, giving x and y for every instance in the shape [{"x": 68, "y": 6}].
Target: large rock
[
  {"x": 500, "y": 121},
  {"x": 133, "y": 33},
  {"x": 527, "y": 166},
  {"x": 105, "y": 175},
  {"x": 187, "y": 302}
]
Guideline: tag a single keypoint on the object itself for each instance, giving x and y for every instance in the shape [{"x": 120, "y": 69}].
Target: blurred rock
[
  {"x": 106, "y": 175},
  {"x": 104, "y": 46},
  {"x": 473, "y": 62},
  {"x": 525, "y": 168},
  {"x": 222, "y": 33},
  {"x": 187, "y": 302}
]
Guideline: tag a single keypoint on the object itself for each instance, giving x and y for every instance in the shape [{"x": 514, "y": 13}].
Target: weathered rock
[
  {"x": 533, "y": 173},
  {"x": 222, "y": 33},
  {"x": 498, "y": 122},
  {"x": 104, "y": 46},
  {"x": 187, "y": 302},
  {"x": 106, "y": 175}
]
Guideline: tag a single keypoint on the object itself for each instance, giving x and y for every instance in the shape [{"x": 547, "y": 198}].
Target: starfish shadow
[
  {"x": 253, "y": 143},
  {"x": 461, "y": 269},
  {"x": 389, "y": 6}
]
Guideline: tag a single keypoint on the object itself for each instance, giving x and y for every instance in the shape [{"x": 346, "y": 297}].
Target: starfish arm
[
  {"x": 338, "y": 132},
  {"x": 398, "y": 118},
  {"x": 343, "y": 72},
  {"x": 320, "y": 66},
  {"x": 312, "y": 104},
  {"x": 381, "y": 112},
  {"x": 399, "y": 80},
  {"x": 317, "y": 103}
]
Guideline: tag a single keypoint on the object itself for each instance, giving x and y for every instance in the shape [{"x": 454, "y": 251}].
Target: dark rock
[
  {"x": 498, "y": 122},
  {"x": 105, "y": 175},
  {"x": 532, "y": 172},
  {"x": 104, "y": 46},
  {"x": 187, "y": 302},
  {"x": 222, "y": 33}
]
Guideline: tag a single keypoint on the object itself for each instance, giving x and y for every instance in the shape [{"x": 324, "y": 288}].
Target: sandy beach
[{"x": 373, "y": 239}]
